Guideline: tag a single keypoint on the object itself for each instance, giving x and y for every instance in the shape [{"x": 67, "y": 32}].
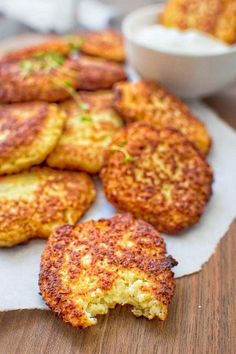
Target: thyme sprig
[
  {"x": 41, "y": 62},
  {"x": 45, "y": 62}
]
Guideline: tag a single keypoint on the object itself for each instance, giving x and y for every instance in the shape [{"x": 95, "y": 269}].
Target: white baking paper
[{"x": 19, "y": 266}]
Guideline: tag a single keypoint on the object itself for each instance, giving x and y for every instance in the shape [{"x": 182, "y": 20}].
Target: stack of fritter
[
  {"x": 36, "y": 129},
  {"x": 60, "y": 108}
]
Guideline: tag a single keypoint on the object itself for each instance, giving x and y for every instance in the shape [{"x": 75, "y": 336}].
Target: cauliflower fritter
[
  {"x": 152, "y": 103},
  {"x": 91, "y": 267},
  {"x": 91, "y": 122},
  {"x": 157, "y": 175},
  {"x": 106, "y": 44},
  {"x": 50, "y": 77},
  {"x": 215, "y": 17},
  {"x": 53, "y": 45},
  {"x": 34, "y": 202},
  {"x": 28, "y": 133}
]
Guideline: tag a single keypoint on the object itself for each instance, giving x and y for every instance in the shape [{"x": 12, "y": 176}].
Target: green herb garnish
[
  {"x": 75, "y": 42},
  {"x": 127, "y": 156},
  {"x": 26, "y": 67},
  {"x": 130, "y": 159},
  {"x": 84, "y": 106},
  {"x": 123, "y": 143},
  {"x": 52, "y": 58},
  {"x": 68, "y": 83},
  {"x": 44, "y": 62},
  {"x": 107, "y": 138},
  {"x": 41, "y": 62},
  {"x": 86, "y": 118}
]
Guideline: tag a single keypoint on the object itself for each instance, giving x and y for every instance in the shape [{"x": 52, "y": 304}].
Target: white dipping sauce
[{"x": 172, "y": 40}]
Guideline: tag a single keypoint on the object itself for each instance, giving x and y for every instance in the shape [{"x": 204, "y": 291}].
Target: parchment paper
[{"x": 19, "y": 266}]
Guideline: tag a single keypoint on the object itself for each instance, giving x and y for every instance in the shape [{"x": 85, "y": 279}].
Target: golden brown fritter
[
  {"x": 91, "y": 267},
  {"x": 95, "y": 74},
  {"x": 152, "y": 103},
  {"x": 215, "y": 17},
  {"x": 106, "y": 44},
  {"x": 28, "y": 133},
  {"x": 50, "y": 77},
  {"x": 157, "y": 175},
  {"x": 53, "y": 45},
  {"x": 34, "y": 202},
  {"x": 91, "y": 122}
]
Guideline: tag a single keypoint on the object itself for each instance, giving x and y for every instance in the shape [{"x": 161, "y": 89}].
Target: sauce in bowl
[{"x": 158, "y": 37}]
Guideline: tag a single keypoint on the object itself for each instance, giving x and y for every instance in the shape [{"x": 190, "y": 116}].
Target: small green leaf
[
  {"x": 123, "y": 143},
  {"x": 127, "y": 156},
  {"x": 75, "y": 47},
  {"x": 75, "y": 42},
  {"x": 130, "y": 159},
  {"x": 53, "y": 59},
  {"x": 40, "y": 55},
  {"x": 68, "y": 83},
  {"x": 84, "y": 106},
  {"x": 26, "y": 66},
  {"x": 56, "y": 57},
  {"x": 86, "y": 118},
  {"x": 107, "y": 138}
]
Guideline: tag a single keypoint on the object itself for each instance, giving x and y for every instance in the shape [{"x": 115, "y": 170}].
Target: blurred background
[{"x": 59, "y": 16}]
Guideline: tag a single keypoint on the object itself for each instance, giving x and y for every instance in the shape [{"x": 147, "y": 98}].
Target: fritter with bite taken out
[{"x": 93, "y": 266}]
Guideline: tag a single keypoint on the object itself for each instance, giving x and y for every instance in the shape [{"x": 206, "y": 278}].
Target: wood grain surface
[{"x": 202, "y": 317}]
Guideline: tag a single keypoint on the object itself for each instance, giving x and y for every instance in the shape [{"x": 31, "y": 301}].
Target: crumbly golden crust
[
  {"x": 55, "y": 83},
  {"x": 107, "y": 44},
  {"x": 152, "y": 103},
  {"x": 215, "y": 17},
  {"x": 91, "y": 267},
  {"x": 34, "y": 202},
  {"x": 55, "y": 45},
  {"x": 28, "y": 133},
  {"x": 158, "y": 175},
  {"x": 95, "y": 74},
  {"x": 91, "y": 122}
]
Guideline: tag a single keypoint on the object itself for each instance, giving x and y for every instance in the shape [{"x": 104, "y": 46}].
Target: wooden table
[{"x": 202, "y": 317}]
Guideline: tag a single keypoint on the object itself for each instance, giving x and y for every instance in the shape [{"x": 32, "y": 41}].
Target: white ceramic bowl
[{"x": 188, "y": 76}]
